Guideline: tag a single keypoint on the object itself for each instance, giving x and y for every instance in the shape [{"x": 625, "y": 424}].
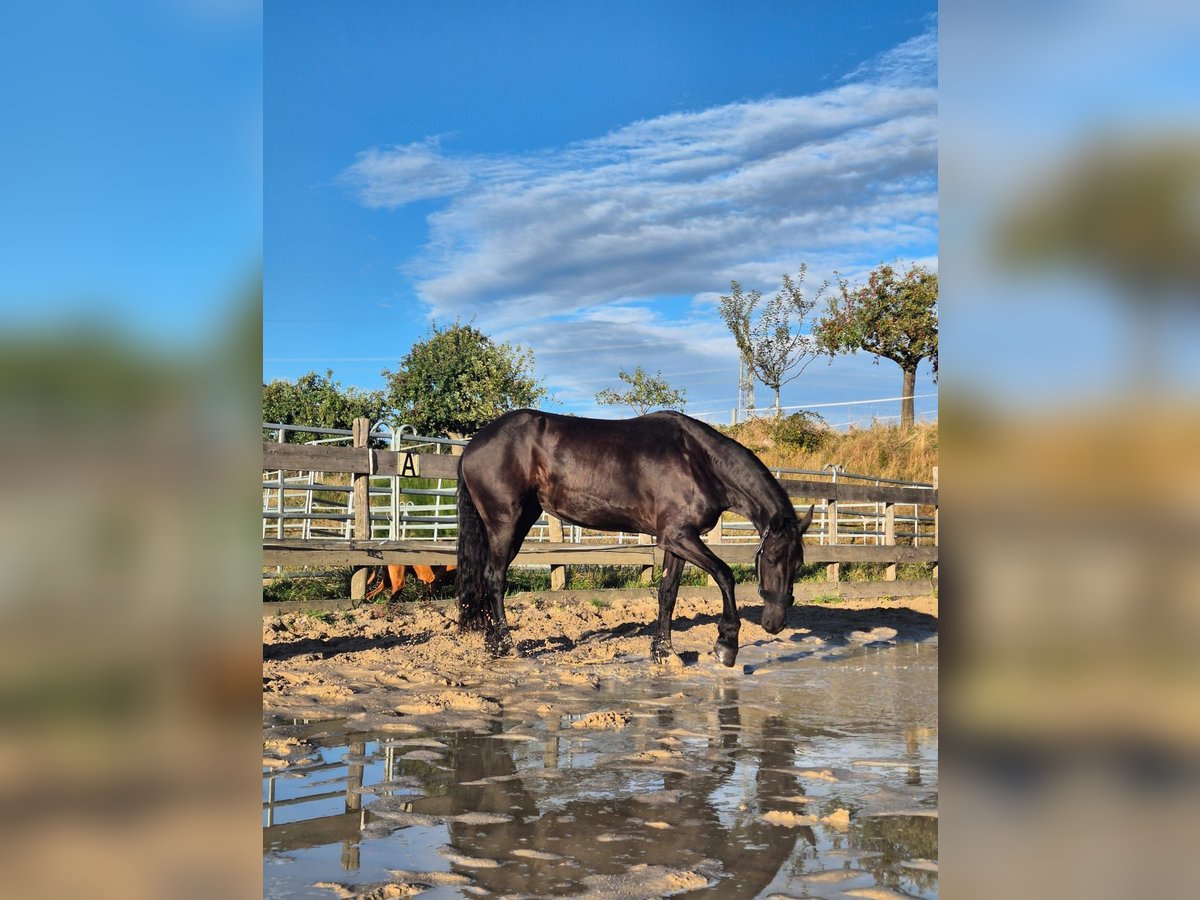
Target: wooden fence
[{"x": 362, "y": 463}]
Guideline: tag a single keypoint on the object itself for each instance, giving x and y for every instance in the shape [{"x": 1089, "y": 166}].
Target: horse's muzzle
[{"x": 774, "y": 614}]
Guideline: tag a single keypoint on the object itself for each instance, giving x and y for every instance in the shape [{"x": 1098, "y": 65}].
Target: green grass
[
  {"x": 875, "y": 571},
  {"x": 333, "y": 584},
  {"x": 522, "y": 580}
]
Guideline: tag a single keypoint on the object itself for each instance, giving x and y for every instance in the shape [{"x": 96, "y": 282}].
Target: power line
[{"x": 767, "y": 409}]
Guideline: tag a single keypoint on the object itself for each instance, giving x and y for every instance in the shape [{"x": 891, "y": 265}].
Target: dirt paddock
[
  {"x": 578, "y": 767},
  {"x": 379, "y": 666}
]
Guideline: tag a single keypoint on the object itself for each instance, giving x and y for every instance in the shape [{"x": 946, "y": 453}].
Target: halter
[{"x": 770, "y": 596}]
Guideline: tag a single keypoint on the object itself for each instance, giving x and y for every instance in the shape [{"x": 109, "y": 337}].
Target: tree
[
  {"x": 891, "y": 316},
  {"x": 1125, "y": 210},
  {"x": 458, "y": 379},
  {"x": 318, "y": 401},
  {"x": 645, "y": 392},
  {"x": 770, "y": 345}
]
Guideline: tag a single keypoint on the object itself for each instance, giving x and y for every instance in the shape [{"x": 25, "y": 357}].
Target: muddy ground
[
  {"x": 409, "y": 665},
  {"x": 577, "y": 767}
]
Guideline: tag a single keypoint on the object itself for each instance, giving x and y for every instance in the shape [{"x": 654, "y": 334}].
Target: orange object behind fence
[{"x": 433, "y": 577}]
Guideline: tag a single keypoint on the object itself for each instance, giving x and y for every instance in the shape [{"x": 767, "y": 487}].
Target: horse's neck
[{"x": 755, "y": 493}]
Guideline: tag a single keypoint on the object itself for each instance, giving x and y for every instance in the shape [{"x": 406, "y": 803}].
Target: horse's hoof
[
  {"x": 726, "y": 655},
  {"x": 498, "y": 644}
]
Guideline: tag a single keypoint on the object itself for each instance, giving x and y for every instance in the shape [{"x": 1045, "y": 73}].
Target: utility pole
[{"x": 745, "y": 388}]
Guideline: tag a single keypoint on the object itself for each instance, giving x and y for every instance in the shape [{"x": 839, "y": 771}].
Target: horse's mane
[{"x": 739, "y": 468}]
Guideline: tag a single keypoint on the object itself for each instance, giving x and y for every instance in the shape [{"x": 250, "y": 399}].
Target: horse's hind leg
[
  {"x": 668, "y": 590},
  {"x": 507, "y": 544},
  {"x": 496, "y": 578}
]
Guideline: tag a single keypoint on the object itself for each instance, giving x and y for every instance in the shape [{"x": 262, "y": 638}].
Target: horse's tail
[{"x": 472, "y": 561}]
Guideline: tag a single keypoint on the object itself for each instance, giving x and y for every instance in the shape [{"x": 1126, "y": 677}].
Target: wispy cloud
[
  {"x": 577, "y": 241},
  {"x": 912, "y": 62},
  {"x": 390, "y": 177}
]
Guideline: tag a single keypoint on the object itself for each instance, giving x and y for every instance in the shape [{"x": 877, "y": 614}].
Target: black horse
[{"x": 664, "y": 474}]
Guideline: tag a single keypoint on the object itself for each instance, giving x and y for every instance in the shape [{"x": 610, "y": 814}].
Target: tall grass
[{"x": 906, "y": 454}]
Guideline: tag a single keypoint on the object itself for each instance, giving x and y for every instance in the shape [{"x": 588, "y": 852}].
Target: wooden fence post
[
  {"x": 832, "y": 570},
  {"x": 936, "y": 541},
  {"x": 716, "y": 536},
  {"x": 889, "y": 537},
  {"x": 558, "y": 574},
  {"x": 646, "y": 576},
  {"x": 361, "y": 482}
]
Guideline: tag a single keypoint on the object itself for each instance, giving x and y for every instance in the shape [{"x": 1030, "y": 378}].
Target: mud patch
[
  {"x": 428, "y": 879},
  {"x": 467, "y": 862},
  {"x": 839, "y": 818},
  {"x": 427, "y": 704},
  {"x": 606, "y": 718},
  {"x": 482, "y": 818},
  {"x": 383, "y": 891},
  {"x": 536, "y": 854},
  {"x": 643, "y": 881}
]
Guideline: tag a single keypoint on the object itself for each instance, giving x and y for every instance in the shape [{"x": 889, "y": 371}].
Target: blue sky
[
  {"x": 130, "y": 168},
  {"x": 585, "y": 179}
]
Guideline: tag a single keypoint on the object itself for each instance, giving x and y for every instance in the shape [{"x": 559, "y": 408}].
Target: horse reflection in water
[
  {"x": 609, "y": 799},
  {"x": 663, "y": 474}
]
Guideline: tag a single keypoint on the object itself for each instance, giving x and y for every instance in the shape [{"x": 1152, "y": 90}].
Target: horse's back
[
  {"x": 614, "y": 474},
  {"x": 532, "y": 439}
]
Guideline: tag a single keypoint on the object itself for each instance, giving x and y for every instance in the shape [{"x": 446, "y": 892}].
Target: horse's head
[{"x": 780, "y": 556}]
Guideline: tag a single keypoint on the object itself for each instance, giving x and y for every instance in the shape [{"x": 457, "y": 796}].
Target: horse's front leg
[
  {"x": 687, "y": 544},
  {"x": 668, "y": 590}
]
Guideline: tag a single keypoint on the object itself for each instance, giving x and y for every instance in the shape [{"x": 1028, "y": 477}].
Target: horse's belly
[{"x": 600, "y": 516}]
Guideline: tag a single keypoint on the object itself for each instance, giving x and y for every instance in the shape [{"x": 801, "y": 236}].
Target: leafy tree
[
  {"x": 458, "y": 379},
  {"x": 1125, "y": 211},
  {"x": 770, "y": 344},
  {"x": 318, "y": 401},
  {"x": 645, "y": 392},
  {"x": 892, "y": 316}
]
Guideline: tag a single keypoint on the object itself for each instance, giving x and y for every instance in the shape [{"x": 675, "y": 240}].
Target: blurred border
[
  {"x": 130, "y": 353},
  {"x": 1069, "y": 220},
  {"x": 1070, "y": 262}
]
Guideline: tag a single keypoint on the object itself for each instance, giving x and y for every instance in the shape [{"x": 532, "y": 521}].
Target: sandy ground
[
  {"x": 409, "y": 669},
  {"x": 407, "y": 672}
]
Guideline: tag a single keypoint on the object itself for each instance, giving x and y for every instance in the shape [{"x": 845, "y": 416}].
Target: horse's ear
[{"x": 803, "y": 524}]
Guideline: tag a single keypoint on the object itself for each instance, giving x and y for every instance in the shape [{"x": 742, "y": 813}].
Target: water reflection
[{"x": 691, "y": 782}]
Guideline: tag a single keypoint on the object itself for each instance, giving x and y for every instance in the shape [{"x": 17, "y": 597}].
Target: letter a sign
[{"x": 410, "y": 466}]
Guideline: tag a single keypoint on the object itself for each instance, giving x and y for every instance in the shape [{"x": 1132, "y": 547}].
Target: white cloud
[
  {"x": 912, "y": 62},
  {"x": 672, "y": 205},
  {"x": 393, "y": 176},
  {"x": 568, "y": 247}
]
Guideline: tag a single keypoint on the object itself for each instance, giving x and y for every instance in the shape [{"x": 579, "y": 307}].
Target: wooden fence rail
[
  {"x": 295, "y": 552},
  {"x": 362, "y": 463}
]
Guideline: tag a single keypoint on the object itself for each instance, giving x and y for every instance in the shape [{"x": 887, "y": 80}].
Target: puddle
[{"x": 810, "y": 778}]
